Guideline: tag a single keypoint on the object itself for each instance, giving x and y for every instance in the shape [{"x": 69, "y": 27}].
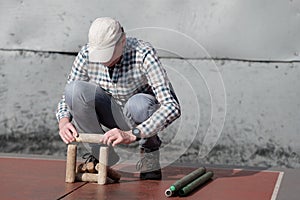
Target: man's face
[{"x": 117, "y": 52}]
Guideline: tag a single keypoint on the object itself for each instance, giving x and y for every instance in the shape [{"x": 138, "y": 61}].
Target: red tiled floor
[
  {"x": 226, "y": 185},
  {"x": 44, "y": 179},
  {"x": 33, "y": 179}
]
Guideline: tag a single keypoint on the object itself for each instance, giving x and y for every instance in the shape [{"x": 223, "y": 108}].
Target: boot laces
[
  {"x": 89, "y": 158},
  {"x": 147, "y": 160}
]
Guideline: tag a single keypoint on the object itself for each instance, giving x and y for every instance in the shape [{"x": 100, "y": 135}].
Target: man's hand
[
  {"x": 67, "y": 131},
  {"x": 116, "y": 136}
]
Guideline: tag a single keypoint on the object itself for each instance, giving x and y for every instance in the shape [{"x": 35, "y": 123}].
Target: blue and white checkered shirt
[{"x": 139, "y": 71}]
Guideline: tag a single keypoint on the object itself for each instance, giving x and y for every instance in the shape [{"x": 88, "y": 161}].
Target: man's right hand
[{"x": 67, "y": 130}]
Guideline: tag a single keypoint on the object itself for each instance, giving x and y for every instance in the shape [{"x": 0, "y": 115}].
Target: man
[{"x": 119, "y": 83}]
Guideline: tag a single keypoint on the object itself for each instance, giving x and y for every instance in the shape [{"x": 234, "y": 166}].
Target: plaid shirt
[{"x": 139, "y": 71}]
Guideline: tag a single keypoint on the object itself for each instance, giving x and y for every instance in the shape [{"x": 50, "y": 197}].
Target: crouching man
[{"x": 118, "y": 82}]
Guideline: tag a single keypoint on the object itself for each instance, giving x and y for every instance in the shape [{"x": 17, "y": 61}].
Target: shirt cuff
[{"x": 61, "y": 115}]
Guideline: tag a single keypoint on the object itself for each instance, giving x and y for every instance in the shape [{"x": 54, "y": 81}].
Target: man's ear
[{"x": 123, "y": 39}]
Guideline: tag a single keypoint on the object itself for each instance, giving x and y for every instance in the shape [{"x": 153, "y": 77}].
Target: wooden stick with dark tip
[
  {"x": 102, "y": 169},
  {"x": 81, "y": 168},
  {"x": 89, "y": 138},
  {"x": 71, "y": 163}
]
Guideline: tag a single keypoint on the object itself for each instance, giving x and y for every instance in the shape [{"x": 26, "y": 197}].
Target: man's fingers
[
  {"x": 65, "y": 138},
  {"x": 74, "y": 131},
  {"x": 69, "y": 135},
  {"x": 117, "y": 141},
  {"x": 106, "y": 136},
  {"x": 111, "y": 139},
  {"x": 108, "y": 140},
  {"x": 114, "y": 137},
  {"x": 62, "y": 136},
  {"x": 65, "y": 141},
  {"x": 71, "y": 129}
]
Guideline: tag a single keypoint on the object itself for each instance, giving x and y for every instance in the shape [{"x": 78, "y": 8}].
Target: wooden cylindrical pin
[
  {"x": 81, "y": 168},
  {"x": 111, "y": 173},
  {"x": 90, "y": 167},
  {"x": 103, "y": 161},
  {"x": 89, "y": 137},
  {"x": 90, "y": 177},
  {"x": 87, "y": 177},
  {"x": 71, "y": 163}
]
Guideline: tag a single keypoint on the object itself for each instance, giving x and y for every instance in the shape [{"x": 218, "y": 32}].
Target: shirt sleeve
[
  {"x": 78, "y": 72},
  {"x": 169, "y": 109}
]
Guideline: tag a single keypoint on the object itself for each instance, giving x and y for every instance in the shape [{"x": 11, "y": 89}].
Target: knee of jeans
[
  {"x": 77, "y": 91},
  {"x": 140, "y": 107}
]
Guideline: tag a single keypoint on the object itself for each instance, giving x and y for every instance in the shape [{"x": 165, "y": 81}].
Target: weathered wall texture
[{"x": 255, "y": 46}]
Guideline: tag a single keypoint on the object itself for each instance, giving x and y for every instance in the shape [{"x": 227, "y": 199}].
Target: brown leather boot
[{"x": 149, "y": 165}]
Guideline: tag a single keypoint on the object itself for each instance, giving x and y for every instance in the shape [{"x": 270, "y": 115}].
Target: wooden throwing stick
[{"x": 89, "y": 138}]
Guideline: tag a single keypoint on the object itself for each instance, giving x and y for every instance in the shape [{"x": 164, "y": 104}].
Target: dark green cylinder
[
  {"x": 187, "y": 179},
  {"x": 196, "y": 183}
]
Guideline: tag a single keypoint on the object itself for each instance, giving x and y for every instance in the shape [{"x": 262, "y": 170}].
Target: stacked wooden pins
[{"x": 105, "y": 174}]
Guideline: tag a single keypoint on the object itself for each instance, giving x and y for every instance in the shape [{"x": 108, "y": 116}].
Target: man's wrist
[
  {"x": 62, "y": 122},
  {"x": 133, "y": 138},
  {"x": 137, "y": 133}
]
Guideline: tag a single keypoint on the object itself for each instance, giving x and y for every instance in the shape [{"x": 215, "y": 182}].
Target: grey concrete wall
[
  {"x": 248, "y": 29},
  {"x": 253, "y": 78}
]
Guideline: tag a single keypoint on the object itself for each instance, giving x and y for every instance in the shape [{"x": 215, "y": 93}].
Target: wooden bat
[{"x": 89, "y": 138}]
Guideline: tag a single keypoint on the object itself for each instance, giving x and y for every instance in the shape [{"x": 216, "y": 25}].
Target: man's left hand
[{"x": 116, "y": 136}]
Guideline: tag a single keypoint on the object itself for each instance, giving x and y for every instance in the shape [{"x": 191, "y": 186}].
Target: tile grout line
[
  {"x": 277, "y": 186},
  {"x": 71, "y": 191}
]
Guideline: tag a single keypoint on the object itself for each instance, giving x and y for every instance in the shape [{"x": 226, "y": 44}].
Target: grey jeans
[{"x": 91, "y": 106}]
